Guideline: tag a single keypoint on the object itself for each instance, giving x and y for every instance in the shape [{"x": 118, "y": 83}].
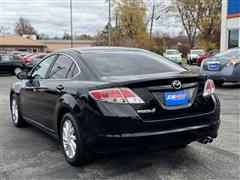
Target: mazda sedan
[
  {"x": 112, "y": 100},
  {"x": 223, "y": 67}
]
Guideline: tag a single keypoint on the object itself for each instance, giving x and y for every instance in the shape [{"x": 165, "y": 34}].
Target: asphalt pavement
[{"x": 28, "y": 153}]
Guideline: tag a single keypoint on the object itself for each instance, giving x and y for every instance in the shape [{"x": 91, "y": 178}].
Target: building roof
[
  {"x": 61, "y": 41},
  {"x": 18, "y": 41}
]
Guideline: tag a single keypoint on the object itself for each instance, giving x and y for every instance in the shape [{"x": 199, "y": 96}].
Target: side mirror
[
  {"x": 22, "y": 75},
  {"x": 180, "y": 54},
  {"x": 164, "y": 54}
]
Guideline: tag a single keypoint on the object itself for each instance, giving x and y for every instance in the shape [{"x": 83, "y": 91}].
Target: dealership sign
[{"x": 233, "y": 8}]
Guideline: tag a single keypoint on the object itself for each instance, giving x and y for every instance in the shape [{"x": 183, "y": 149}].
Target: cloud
[{"x": 52, "y": 17}]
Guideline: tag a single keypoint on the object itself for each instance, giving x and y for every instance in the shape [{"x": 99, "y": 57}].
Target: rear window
[
  {"x": 5, "y": 58},
  {"x": 230, "y": 53},
  {"x": 129, "y": 63}
]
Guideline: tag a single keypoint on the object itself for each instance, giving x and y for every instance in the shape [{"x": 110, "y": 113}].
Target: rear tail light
[
  {"x": 209, "y": 88},
  {"x": 233, "y": 62},
  {"x": 116, "y": 95}
]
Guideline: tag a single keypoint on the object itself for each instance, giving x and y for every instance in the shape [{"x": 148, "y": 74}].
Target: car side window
[
  {"x": 73, "y": 71},
  {"x": 40, "y": 71},
  {"x": 61, "y": 68}
]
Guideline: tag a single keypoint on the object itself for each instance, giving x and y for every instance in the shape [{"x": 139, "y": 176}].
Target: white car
[
  {"x": 173, "y": 55},
  {"x": 194, "y": 53}
]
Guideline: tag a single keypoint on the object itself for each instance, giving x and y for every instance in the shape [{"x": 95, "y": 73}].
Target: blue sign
[
  {"x": 176, "y": 98},
  {"x": 233, "y": 8}
]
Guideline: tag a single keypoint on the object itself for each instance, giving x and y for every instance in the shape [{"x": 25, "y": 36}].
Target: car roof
[{"x": 101, "y": 49}]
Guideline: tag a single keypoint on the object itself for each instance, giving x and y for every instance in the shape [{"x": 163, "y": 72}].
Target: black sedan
[
  {"x": 115, "y": 100},
  {"x": 10, "y": 64}
]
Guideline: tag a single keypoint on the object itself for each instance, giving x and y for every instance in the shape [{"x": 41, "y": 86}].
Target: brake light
[
  {"x": 116, "y": 95},
  {"x": 209, "y": 88},
  {"x": 233, "y": 62}
]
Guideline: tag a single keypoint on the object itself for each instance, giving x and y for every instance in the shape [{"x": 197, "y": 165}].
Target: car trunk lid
[{"x": 161, "y": 99}]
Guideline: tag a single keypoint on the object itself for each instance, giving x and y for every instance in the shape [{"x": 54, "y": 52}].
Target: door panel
[
  {"x": 29, "y": 94},
  {"x": 48, "y": 99},
  {"x": 48, "y": 94},
  {"x": 28, "y": 100}
]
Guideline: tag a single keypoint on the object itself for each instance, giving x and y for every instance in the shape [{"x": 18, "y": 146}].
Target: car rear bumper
[
  {"x": 133, "y": 142},
  {"x": 226, "y": 75},
  {"x": 124, "y": 137}
]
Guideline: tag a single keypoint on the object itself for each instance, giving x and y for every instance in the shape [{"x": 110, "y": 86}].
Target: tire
[
  {"x": 17, "y": 70},
  {"x": 73, "y": 146},
  {"x": 17, "y": 118}
]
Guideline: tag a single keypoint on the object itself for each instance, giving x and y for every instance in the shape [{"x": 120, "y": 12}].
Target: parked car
[
  {"x": 200, "y": 58},
  {"x": 192, "y": 56},
  {"x": 115, "y": 99},
  {"x": 10, "y": 64},
  {"x": 34, "y": 60},
  {"x": 173, "y": 55},
  {"x": 223, "y": 67},
  {"x": 27, "y": 58}
]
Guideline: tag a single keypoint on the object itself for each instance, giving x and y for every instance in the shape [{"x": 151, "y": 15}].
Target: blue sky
[{"x": 89, "y": 16}]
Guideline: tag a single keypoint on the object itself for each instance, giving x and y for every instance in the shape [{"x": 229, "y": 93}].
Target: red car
[
  {"x": 27, "y": 58},
  {"x": 200, "y": 58}
]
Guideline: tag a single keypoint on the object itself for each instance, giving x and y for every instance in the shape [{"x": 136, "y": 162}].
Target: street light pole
[
  {"x": 151, "y": 28},
  {"x": 71, "y": 23},
  {"x": 109, "y": 23}
]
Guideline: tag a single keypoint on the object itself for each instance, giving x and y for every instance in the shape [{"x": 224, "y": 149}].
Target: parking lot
[{"x": 28, "y": 153}]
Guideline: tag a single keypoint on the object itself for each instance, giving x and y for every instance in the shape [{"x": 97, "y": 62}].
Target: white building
[{"x": 230, "y": 27}]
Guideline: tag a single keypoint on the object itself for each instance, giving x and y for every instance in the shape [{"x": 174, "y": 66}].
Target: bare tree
[
  {"x": 188, "y": 18},
  {"x": 23, "y": 26},
  {"x": 4, "y": 30}
]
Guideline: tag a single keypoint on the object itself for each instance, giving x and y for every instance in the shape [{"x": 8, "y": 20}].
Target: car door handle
[{"x": 60, "y": 87}]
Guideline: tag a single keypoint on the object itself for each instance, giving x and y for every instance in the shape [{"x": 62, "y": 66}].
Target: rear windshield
[
  {"x": 129, "y": 63},
  {"x": 172, "y": 52},
  {"x": 5, "y": 58},
  {"x": 198, "y": 52},
  {"x": 230, "y": 53}
]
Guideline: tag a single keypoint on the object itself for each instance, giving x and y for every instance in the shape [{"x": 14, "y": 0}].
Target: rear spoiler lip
[{"x": 139, "y": 79}]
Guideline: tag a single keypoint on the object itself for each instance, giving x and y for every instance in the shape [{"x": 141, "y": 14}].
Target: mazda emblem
[{"x": 177, "y": 84}]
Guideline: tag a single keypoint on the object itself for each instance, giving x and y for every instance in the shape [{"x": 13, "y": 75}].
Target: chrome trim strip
[
  {"x": 184, "y": 117},
  {"x": 34, "y": 122},
  {"x": 180, "y": 106}
]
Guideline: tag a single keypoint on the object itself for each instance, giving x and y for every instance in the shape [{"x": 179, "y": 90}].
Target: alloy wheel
[
  {"x": 17, "y": 70},
  {"x": 69, "y": 139},
  {"x": 14, "y": 111}
]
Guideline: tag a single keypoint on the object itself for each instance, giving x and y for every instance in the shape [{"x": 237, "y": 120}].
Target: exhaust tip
[{"x": 206, "y": 140}]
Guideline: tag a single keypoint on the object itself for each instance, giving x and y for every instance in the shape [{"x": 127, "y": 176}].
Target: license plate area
[
  {"x": 213, "y": 66},
  {"x": 176, "y": 98}
]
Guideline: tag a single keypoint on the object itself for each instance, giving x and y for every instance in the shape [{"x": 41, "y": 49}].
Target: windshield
[
  {"x": 172, "y": 52},
  {"x": 198, "y": 52},
  {"x": 129, "y": 63},
  {"x": 230, "y": 53}
]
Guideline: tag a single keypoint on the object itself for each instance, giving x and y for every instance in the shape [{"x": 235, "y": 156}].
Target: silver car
[{"x": 223, "y": 67}]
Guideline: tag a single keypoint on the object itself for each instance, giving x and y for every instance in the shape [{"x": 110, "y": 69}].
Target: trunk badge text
[
  {"x": 147, "y": 110},
  {"x": 177, "y": 84}
]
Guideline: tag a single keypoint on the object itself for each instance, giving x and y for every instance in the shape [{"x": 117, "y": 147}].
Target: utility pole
[
  {"x": 109, "y": 23},
  {"x": 151, "y": 28},
  {"x": 71, "y": 23}
]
